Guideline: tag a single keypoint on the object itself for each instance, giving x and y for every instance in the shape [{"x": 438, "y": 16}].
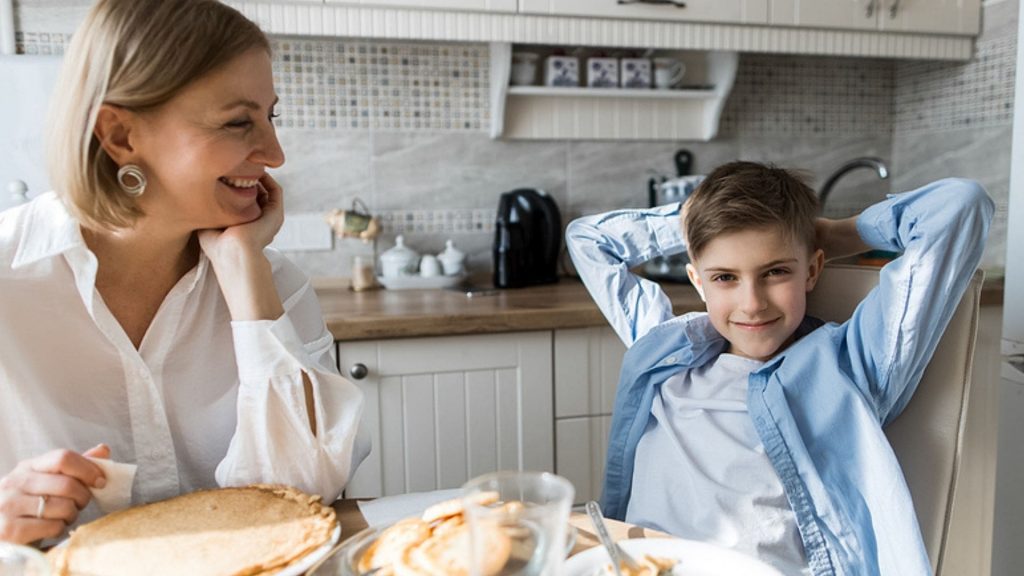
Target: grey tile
[
  {"x": 611, "y": 175},
  {"x": 820, "y": 157},
  {"x": 324, "y": 170},
  {"x": 427, "y": 171}
]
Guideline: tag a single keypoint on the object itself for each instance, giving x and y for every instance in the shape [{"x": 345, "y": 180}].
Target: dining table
[{"x": 352, "y": 522}]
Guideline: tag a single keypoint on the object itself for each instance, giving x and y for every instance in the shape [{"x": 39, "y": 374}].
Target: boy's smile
[{"x": 755, "y": 283}]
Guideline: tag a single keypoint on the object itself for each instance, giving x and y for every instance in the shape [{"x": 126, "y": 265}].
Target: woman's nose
[{"x": 268, "y": 151}]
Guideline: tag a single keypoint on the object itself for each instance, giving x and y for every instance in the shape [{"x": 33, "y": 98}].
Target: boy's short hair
[{"x": 748, "y": 195}]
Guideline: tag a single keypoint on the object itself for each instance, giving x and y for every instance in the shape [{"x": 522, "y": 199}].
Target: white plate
[
  {"x": 695, "y": 558},
  {"x": 420, "y": 282},
  {"x": 300, "y": 567}
]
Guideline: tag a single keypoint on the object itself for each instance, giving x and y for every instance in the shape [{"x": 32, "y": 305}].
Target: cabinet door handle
[
  {"x": 894, "y": 8},
  {"x": 871, "y": 8},
  {"x": 358, "y": 371},
  {"x": 676, "y": 3}
]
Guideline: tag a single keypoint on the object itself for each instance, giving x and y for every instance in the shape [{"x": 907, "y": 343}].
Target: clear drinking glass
[
  {"x": 521, "y": 529},
  {"x": 18, "y": 560}
]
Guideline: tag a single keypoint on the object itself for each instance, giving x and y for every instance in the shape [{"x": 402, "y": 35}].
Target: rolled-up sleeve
[{"x": 273, "y": 441}]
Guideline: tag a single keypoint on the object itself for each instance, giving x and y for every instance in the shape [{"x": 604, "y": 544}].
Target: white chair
[{"x": 929, "y": 438}]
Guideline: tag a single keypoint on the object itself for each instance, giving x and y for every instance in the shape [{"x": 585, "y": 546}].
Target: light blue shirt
[{"x": 820, "y": 405}]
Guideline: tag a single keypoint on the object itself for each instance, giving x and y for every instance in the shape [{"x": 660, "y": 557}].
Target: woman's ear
[
  {"x": 114, "y": 132},
  {"x": 814, "y": 265},
  {"x": 691, "y": 271}
]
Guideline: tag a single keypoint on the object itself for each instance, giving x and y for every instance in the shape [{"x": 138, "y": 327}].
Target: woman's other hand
[
  {"x": 252, "y": 237},
  {"x": 236, "y": 254},
  {"x": 43, "y": 495}
]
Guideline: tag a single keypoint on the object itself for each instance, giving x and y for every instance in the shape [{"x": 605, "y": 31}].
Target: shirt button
[{"x": 670, "y": 360}]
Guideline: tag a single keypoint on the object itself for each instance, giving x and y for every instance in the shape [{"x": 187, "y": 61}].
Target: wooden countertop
[{"x": 381, "y": 314}]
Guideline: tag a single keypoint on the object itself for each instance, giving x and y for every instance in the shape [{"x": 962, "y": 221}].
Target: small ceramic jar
[
  {"x": 399, "y": 260},
  {"x": 452, "y": 259}
]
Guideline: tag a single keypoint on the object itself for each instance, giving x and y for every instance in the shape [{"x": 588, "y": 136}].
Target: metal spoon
[{"x": 617, "y": 554}]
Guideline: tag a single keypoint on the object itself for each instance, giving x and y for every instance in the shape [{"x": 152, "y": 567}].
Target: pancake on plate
[{"x": 257, "y": 529}]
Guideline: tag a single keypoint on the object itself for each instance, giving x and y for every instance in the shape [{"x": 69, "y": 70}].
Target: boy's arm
[
  {"x": 604, "y": 247},
  {"x": 941, "y": 229}
]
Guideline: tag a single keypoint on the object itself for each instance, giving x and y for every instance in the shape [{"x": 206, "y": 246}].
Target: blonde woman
[{"x": 143, "y": 317}]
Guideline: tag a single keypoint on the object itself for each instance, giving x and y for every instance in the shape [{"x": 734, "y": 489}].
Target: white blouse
[{"x": 203, "y": 402}]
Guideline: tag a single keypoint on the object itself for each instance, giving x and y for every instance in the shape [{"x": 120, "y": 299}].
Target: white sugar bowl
[
  {"x": 399, "y": 260},
  {"x": 452, "y": 259}
]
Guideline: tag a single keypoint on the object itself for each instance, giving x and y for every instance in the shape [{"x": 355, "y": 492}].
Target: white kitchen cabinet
[
  {"x": 915, "y": 16},
  {"x": 470, "y": 5},
  {"x": 939, "y": 16},
  {"x": 582, "y": 444},
  {"x": 443, "y": 410},
  {"x": 732, "y": 11},
  {"x": 587, "y": 366}
]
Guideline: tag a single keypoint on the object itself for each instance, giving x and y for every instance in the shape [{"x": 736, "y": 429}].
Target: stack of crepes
[
  {"x": 257, "y": 529},
  {"x": 438, "y": 543}
]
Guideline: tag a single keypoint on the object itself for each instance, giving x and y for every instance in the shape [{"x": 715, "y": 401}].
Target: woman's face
[{"x": 203, "y": 151}]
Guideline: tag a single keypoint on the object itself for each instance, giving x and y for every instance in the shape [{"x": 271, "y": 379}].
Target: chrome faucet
[{"x": 864, "y": 162}]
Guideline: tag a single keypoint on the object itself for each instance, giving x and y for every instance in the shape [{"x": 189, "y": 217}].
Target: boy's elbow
[{"x": 967, "y": 202}]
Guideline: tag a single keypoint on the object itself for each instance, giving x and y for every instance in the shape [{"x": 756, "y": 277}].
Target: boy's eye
[
  {"x": 723, "y": 278},
  {"x": 777, "y": 272}
]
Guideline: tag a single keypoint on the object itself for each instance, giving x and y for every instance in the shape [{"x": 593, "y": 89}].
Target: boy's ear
[
  {"x": 691, "y": 271},
  {"x": 814, "y": 266},
  {"x": 114, "y": 131}
]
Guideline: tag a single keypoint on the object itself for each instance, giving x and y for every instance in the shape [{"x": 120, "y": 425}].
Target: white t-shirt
[
  {"x": 701, "y": 472},
  {"x": 203, "y": 402}
]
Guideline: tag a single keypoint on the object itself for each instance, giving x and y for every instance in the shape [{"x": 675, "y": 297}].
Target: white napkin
[
  {"x": 117, "y": 493},
  {"x": 391, "y": 509}
]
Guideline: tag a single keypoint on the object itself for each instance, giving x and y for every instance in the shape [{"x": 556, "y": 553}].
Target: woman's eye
[
  {"x": 239, "y": 123},
  {"x": 274, "y": 114}
]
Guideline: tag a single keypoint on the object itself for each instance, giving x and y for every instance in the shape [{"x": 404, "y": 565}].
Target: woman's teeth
[{"x": 237, "y": 183}]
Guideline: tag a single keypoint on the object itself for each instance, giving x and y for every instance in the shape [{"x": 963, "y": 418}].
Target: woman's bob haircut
[{"x": 137, "y": 55}]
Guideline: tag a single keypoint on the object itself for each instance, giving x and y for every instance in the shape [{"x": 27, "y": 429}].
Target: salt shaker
[{"x": 452, "y": 259}]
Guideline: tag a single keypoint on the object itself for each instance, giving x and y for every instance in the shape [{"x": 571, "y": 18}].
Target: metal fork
[{"x": 617, "y": 554}]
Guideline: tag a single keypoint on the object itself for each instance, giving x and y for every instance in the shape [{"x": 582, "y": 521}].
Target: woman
[{"x": 142, "y": 315}]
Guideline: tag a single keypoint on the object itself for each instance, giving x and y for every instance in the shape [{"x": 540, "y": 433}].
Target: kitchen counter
[
  {"x": 407, "y": 313},
  {"x": 381, "y": 314}
]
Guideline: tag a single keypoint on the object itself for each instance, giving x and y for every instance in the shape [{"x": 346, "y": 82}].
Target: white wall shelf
[
  {"x": 568, "y": 113},
  {"x": 678, "y": 94}
]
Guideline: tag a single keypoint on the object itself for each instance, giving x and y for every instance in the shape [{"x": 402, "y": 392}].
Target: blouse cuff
[{"x": 267, "y": 348}]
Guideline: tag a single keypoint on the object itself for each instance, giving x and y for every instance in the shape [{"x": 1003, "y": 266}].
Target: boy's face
[{"x": 755, "y": 283}]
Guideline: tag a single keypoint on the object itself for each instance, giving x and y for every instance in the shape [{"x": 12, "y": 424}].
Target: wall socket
[{"x": 304, "y": 231}]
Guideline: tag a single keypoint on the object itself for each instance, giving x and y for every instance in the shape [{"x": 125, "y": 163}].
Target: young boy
[{"x": 753, "y": 426}]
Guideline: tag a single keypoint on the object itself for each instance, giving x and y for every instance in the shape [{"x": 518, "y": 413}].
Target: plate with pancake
[
  {"x": 670, "y": 556},
  {"x": 252, "y": 530}
]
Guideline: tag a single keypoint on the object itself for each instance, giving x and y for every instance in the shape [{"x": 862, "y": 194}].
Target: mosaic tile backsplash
[{"x": 360, "y": 85}]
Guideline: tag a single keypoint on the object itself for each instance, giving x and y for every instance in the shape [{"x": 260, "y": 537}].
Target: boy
[{"x": 752, "y": 426}]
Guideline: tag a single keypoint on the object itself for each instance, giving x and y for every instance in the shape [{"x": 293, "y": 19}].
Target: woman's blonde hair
[{"x": 135, "y": 54}]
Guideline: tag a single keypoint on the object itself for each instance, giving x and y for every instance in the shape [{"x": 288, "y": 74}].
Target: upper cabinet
[
  {"x": 925, "y": 16},
  {"x": 731, "y": 11},
  {"x": 472, "y": 5}
]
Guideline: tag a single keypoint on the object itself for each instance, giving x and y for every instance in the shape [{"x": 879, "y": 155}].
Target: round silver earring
[{"x": 130, "y": 172}]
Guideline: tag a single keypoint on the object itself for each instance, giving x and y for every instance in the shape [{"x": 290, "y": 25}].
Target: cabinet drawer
[{"x": 734, "y": 11}]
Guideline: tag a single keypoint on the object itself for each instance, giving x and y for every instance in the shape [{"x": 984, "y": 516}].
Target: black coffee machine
[{"x": 527, "y": 239}]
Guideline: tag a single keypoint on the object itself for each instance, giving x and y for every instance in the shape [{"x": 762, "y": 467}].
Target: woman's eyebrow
[{"x": 251, "y": 104}]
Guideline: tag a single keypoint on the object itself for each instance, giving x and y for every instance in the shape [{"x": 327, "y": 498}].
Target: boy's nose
[{"x": 753, "y": 300}]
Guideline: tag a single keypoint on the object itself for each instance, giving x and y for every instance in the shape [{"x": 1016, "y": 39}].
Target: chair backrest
[{"x": 928, "y": 437}]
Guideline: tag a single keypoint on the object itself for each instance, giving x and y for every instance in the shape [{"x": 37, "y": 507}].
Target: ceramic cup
[
  {"x": 524, "y": 68},
  {"x": 668, "y": 73},
  {"x": 603, "y": 72},
  {"x": 563, "y": 71},
  {"x": 429, "y": 266}
]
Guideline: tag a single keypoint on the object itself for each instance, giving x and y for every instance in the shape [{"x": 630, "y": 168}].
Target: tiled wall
[
  {"x": 957, "y": 119},
  {"x": 402, "y": 126}
]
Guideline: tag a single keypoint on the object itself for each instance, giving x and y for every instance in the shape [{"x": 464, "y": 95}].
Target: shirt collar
[{"x": 50, "y": 230}]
